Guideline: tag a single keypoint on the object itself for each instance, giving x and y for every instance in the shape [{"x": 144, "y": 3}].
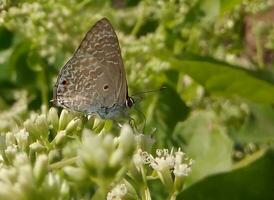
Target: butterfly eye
[
  {"x": 129, "y": 102},
  {"x": 64, "y": 82},
  {"x": 105, "y": 87}
]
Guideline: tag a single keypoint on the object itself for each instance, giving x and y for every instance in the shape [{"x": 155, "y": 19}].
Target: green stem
[
  {"x": 139, "y": 22},
  {"x": 172, "y": 196},
  {"x": 46, "y": 143},
  {"x": 63, "y": 163},
  {"x": 101, "y": 193},
  {"x": 145, "y": 193},
  {"x": 82, "y": 4},
  {"x": 102, "y": 190},
  {"x": 43, "y": 87},
  {"x": 166, "y": 179},
  {"x": 177, "y": 187},
  {"x": 259, "y": 52}
]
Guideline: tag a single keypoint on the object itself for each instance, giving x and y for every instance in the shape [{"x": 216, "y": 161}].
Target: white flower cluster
[
  {"x": 3, "y": 4},
  {"x": 118, "y": 192},
  {"x": 178, "y": 162},
  {"x": 42, "y": 25}
]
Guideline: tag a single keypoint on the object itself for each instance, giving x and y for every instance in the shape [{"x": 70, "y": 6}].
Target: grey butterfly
[{"x": 93, "y": 81}]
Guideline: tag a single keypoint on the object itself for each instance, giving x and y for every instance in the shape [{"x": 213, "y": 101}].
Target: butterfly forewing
[{"x": 94, "y": 77}]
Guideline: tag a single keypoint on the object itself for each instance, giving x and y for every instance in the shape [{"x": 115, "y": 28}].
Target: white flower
[
  {"x": 118, "y": 192},
  {"x": 182, "y": 170},
  {"x": 165, "y": 160},
  {"x": 182, "y": 166},
  {"x": 179, "y": 156},
  {"x": 22, "y": 135},
  {"x": 11, "y": 149},
  {"x": 138, "y": 159},
  {"x": 141, "y": 158}
]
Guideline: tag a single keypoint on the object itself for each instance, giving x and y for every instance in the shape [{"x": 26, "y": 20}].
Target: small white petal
[{"x": 118, "y": 192}]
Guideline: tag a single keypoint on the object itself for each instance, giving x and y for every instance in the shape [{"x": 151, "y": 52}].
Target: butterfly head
[{"x": 129, "y": 102}]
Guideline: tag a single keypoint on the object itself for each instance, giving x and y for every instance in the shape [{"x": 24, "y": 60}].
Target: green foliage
[
  {"x": 217, "y": 106},
  {"x": 216, "y": 146},
  {"x": 238, "y": 184},
  {"x": 228, "y": 81}
]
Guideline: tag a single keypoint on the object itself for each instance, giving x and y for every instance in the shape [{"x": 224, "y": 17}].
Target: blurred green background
[{"x": 214, "y": 56}]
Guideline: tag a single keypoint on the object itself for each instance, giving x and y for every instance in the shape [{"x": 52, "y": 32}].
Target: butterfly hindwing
[{"x": 94, "y": 78}]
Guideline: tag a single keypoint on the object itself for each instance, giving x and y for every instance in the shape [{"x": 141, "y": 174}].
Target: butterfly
[{"x": 93, "y": 81}]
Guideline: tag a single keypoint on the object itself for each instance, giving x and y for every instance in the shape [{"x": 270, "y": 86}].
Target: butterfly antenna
[{"x": 149, "y": 91}]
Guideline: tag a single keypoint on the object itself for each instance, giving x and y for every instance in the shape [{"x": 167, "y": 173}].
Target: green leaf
[
  {"x": 18, "y": 65},
  {"x": 5, "y": 72},
  {"x": 226, "y": 80},
  {"x": 226, "y": 6},
  {"x": 34, "y": 61},
  {"x": 206, "y": 142},
  {"x": 211, "y": 9},
  {"x": 172, "y": 107},
  {"x": 6, "y": 38},
  {"x": 259, "y": 126},
  {"x": 164, "y": 111},
  {"x": 254, "y": 182}
]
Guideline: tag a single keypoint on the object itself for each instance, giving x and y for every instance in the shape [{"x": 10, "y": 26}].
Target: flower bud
[
  {"x": 10, "y": 152},
  {"x": 21, "y": 159},
  {"x": 37, "y": 147},
  {"x": 72, "y": 126},
  {"x": 108, "y": 125},
  {"x": 22, "y": 139},
  {"x": 54, "y": 155},
  {"x": 31, "y": 128},
  {"x": 94, "y": 159},
  {"x": 75, "y": 174},
  {"x": 64, "y": 119},
  {"x": 6, "y": 192},
  {"x": 90, "y": 123},
  {"x": 25, "y": 177},
  {"x": 10, "y": 139},
  {"x": 52, "y": 183},
  {"x": 98, "y": 125},
  {"x": 42, "y": 126},
  {"x": 108, "y": 143},
  {"x": 40, "y": 168},
  {"x": 64, "y": 191},
  {"x": 93, "y": 155},
  {"x": 60, "y": 138},
  {"x": 117, "y": 158},
  {"x": 53, "y": 118},
  {"x": 127, "y": 140}
]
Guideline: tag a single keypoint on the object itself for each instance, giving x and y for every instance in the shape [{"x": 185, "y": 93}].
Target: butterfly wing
[{"x": 94, "y": 77}]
